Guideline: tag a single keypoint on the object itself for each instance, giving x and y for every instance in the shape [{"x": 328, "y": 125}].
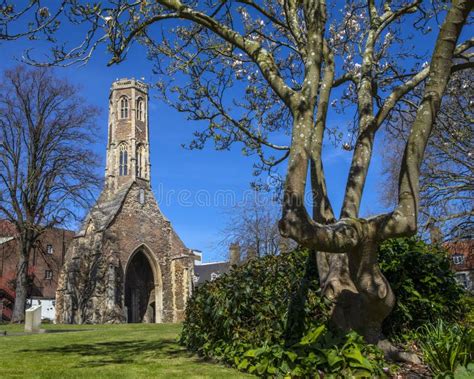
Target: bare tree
[
  {"x": 257, "y": 71},
  {"x": 47, "y": 170},
  {"x": 253, "y": 225},
  {"x": 446, "y": 187},
  {"x": 28, "y": 19}
]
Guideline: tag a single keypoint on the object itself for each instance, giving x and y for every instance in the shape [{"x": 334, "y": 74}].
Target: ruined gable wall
[
  {"x": 90, "y": 287},
  {"x": 139, "y": 224}
]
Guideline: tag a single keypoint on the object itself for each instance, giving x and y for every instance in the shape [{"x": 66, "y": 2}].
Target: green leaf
[
  {"x": 250, "y": 353},
  {"x": 272, "y": 370},
  {"x": 334, "y": 360},
  {"x": 291, "y": 355},
  {"x": 313, "y": 335},
  {"x": 243, "y": 365},
  {"x": 355, "y": 355}
]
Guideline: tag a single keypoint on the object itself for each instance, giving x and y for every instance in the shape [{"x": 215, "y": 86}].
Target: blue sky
[{"x": 191, "y": 174}]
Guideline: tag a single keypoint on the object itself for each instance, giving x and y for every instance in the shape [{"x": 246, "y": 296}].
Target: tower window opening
[
  {"x": 123, "y": 160},
  {"x": 140, "y": 109},
  {"x": 123, "y": 107},
  {"x": 140, "y": 162},
  {"x": 141, "y": 196}
]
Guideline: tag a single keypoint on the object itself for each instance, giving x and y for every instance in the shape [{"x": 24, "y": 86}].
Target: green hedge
[
  {"x": 241, "y": 318},
  {"x": 423, "y": 283},
  {"x": 249, "y": 304}
]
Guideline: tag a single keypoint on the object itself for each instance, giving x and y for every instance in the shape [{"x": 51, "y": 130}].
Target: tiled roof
[
  {"x": 8, "y": 229},
  {"x": 104, "y": 212},
  {"x": 209, "y": 271}
]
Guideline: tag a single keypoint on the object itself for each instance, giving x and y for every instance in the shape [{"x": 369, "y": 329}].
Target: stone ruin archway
[{"x": 143, "y": 290}]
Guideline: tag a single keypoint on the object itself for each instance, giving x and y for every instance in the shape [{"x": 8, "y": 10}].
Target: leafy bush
[
  {"x": 463, "y": 372},
  {"x": 319, "y": 351},
  {"x": 446, "y": 346},
  {"x": 249, "y": 304},
  {"x": 241, "y": 319},
  {"x": 423, "y": 283},
  {"x": 467, "y": 302}
]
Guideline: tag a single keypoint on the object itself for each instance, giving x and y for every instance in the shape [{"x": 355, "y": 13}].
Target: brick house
[
  {"x": 44, "y": 266},
  {"x": 462, "y": 262}
]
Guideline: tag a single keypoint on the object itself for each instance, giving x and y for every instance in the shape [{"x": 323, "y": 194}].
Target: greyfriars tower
[{"x": 126, "y": 264}]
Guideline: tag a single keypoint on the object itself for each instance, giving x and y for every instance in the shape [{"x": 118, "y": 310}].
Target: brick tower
[
  {"x": 126, "y": 263},
  {"x": 128, "y": 148}
]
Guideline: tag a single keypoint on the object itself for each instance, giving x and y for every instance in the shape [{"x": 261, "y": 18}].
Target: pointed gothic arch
[
  {"x": 123, "y": 159},
  {"x": 140, "y": 161},
  {"x": 123, "y": 107},
  {"x": 140, "y": 109},
  {"x": 143, "y": 287}
]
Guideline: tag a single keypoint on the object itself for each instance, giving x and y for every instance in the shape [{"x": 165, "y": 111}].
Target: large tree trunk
[
  {"x": 21, "y": 284},
  {"x": 361, "y": 294},
  {"x": 351, "y": 276}
]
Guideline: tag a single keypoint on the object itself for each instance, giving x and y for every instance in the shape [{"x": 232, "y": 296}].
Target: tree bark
[
  {"x": 362, "y": 295},
  {"x": 21, "y": 289}
]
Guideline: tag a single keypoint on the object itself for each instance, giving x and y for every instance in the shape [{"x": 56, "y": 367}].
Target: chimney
[
  {"x": 435, "y": 233},
  {"x": 283, "y": 245},
  {"x": 251, "y": 253},
  {"x": 234, "y": 252}
]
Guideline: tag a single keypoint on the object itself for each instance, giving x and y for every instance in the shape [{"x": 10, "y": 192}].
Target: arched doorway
[{"x": 140, "y": 289}]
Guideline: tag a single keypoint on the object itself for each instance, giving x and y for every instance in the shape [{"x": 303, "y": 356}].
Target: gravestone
[{"x": 33, "y": 319}]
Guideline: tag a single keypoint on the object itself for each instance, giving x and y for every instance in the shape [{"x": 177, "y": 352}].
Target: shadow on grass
[
  {"x": 119, "y": 352},
  {"x": 66, "y": 330},
  {"x": 7, "y": 333}
]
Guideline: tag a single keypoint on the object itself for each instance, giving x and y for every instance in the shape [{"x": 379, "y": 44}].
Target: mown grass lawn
[{"x": 103, "y": 351}]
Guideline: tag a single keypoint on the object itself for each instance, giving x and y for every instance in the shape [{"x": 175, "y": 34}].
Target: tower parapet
[{"x": 128, "y": 148}]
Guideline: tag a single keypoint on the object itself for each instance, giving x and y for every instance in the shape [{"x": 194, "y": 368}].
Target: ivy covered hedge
[
  {"x": 241, "y": 318},
  {"x": 423, "y": 283},
  {"x": 250, "y": 303}
]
